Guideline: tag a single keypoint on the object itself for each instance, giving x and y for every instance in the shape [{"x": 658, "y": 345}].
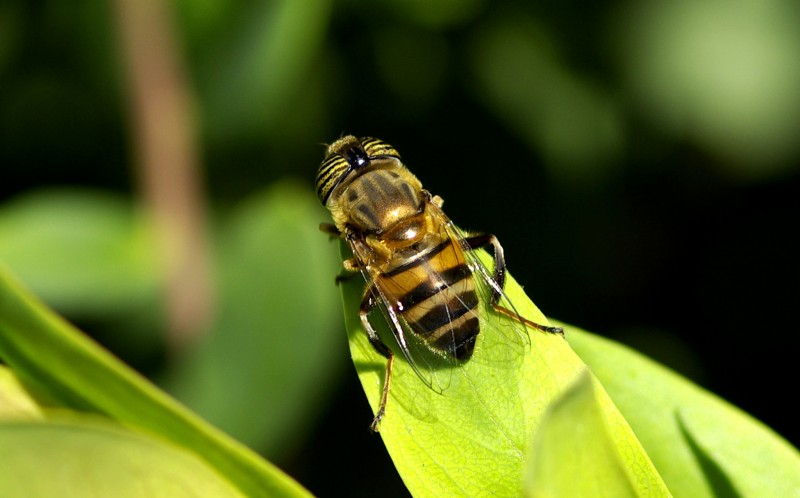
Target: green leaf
[
  {"x": 576, "y": 421},
  {"x": 701, "y": 445},
  {"x": 277, "y": 327},
  {"x": 475, "y": 437},
  {"x": 90, "y": 458},
  {"x": 50, "y": 356}
]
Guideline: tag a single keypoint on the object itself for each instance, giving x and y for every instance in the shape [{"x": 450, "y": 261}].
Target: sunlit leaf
[
  {"x": 475, "y": 437},
  {"x": 701, "y": 445},
  {"x": 575, "y": 453},
  {"x": 15, "y": 402},
  {"x": 80, "y": 458}
]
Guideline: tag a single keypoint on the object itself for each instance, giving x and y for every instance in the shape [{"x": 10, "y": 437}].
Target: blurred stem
[{"x": 167, "y": 164}]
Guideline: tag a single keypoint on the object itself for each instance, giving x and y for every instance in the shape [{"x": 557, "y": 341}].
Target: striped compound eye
[
  {"x": 345, "y": 156},
  {"x": 378, "y": 148}
]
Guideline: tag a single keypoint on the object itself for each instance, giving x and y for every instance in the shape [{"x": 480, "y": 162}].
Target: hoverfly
[{"x": 420, "y": 269}]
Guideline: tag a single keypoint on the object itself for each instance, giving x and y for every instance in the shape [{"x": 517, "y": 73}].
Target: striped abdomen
[{"x": 435, "y": 292}]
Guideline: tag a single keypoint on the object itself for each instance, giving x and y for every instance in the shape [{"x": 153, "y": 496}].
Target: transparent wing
[
  {"x": 512, "y": 338},
  {"x": 433, "y": 367}
]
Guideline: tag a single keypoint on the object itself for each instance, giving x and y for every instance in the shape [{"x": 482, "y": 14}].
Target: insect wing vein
[{"x": 515, "y": 339}]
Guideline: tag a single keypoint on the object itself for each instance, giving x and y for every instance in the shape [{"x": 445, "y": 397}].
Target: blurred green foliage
[
  {"x": 105, "y": 261},
  {"x": 277, "y": 332},
  {"x": 723, "y": 73},
  {"x": 654, "y": 143}
]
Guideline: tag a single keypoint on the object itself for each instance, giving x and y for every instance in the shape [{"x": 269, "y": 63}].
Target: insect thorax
[{"x": 380, "y": 200}]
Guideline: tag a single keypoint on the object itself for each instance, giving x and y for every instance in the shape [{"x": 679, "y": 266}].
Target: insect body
[{"x": 417, "y": 264}]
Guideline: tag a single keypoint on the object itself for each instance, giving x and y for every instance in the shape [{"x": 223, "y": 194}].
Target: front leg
[
  {"x": 350, "y": 267},
  {"x": 330, "y": 229}
]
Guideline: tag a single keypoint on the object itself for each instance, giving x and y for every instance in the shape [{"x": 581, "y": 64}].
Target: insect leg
[
  {"x": 330, "y": 229},
  {"x": 483, "y": 240},
  {"x": 350, "y": 264},
  {"x": 350, "y": 267},
  {"x": 367, "y": 305}
]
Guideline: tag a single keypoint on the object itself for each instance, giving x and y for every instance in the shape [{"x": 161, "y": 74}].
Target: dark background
[{"x": 639, "y": 164}]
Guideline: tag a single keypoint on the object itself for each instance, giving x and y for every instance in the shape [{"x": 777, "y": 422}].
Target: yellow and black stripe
[
  {"x": 442, "y": 307},
  {"x": 378, "y": 148}
]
